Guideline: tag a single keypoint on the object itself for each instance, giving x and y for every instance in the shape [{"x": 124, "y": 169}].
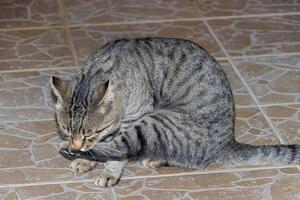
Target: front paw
[
  {"x": 82, "y": 165},
  {"x": 106, "y": 180}
]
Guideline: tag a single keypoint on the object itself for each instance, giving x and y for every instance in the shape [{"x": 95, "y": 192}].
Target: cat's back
[{"x": 175, "y": 71}]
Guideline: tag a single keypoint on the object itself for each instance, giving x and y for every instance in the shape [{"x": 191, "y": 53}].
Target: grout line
[
  {"x": 68, "y": 33},
  {"x": 266, "y": 55},
  {"x": 280, "y": 104},
  {"x": 36, "y": 69},
  {"x": 31, "y": 28},
  {"x": 221, "y": 58},
  {"x": 29, "y": 120},
  {"x": 252, "y": 15},
  {"x": 44, "y": 183},
  {"x": 218, "y": 171},
  {"x": 244, "y": 83},
  {"x": 149, "y": 176},
  {"x": 27, "y": 107},
  {"x": 31, "y": 166},
  {"x": 113, "y": 192},
  {"x": 150, "y": 21},
  {"x": 246, "y": 106}
]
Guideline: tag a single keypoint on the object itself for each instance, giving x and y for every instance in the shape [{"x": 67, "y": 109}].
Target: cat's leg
[
  {"x": 149, "y": 163},
  {"x": 111, "y": 174}
]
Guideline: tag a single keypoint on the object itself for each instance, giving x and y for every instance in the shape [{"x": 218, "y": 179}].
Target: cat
[{"x": 162, "y": 101}]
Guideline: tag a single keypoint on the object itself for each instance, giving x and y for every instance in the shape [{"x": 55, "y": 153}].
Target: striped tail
[{"x": 262, "y": 155}]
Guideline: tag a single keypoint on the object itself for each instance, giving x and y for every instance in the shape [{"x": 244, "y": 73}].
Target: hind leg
[{"x": 149, "y": 163}]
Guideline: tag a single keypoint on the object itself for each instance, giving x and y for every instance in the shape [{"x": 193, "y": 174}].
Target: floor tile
[
  {"x": 272, "y": 79},
  {"x": 260, "y": 184},
  {"x": 31, "y": 49},
  {"x": 87, "y": 39},
  {"x": 26, "y": 95},
  {"x": 251, "y": 127},
  {"x": 30, "y": 13},
  {"x": 66, "y": 191},
  {"x": 104, "y": 11},
  {"x": 257, "y": 36},
  {"x": 287, "y": 120}
]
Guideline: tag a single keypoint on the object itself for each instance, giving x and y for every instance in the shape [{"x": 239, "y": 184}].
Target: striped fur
[{"x": 166, "y": 100}]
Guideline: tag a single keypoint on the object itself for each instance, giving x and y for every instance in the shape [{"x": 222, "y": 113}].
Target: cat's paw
[
  {"x": 106, "y": 180},
  {"x": 82, "y": 165}
]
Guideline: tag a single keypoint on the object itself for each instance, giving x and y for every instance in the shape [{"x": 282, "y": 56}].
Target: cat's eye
[
  {"x": 90, "y": 139},
  {"x": 89, "y": 134},
  {"x": 102, "y": 129}
]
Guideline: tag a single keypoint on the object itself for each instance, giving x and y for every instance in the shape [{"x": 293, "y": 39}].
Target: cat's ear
[
  {"x": 100, "y": 92},
  {"x": 59, "y": 88}
]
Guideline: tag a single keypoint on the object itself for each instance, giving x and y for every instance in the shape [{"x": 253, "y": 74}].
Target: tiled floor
[{"x": 256, "y": 41}]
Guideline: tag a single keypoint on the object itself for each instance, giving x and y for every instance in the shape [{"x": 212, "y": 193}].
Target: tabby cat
[{"x": 163, "y": 101}]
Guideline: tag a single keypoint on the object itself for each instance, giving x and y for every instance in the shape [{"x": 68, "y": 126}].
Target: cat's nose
[{"x": 76, "y": 144}]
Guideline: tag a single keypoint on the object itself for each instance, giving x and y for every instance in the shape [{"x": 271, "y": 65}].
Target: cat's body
[{"x": 167, "y": 102}]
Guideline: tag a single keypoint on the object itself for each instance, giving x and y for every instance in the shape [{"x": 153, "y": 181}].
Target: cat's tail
[{"x": 241, "y": 154}]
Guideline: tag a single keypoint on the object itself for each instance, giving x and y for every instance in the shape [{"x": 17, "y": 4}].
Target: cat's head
[{"x": 86, "y": 112}]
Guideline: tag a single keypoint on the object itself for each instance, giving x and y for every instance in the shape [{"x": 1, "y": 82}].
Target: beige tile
[
  {"x": 287, "y": 120},
  {"x": 15, "y": 158},
  {"x": 24, "y": 114},
  {"x": 36, "y": 159},
  {"x": 27, "y": 95},
  {"x": 11, "y": 141},
  {"x": 44, "y": 151},
  {"x": 256, "y": 36},
  {"x": 87, "y": 39},
  {"x": 57, "y": 191},
  {"x": 272, "y": 79},
  {"x": 33, "y": 175},
  {"x": 231, "y": 194},
  {"x": 251, "y": 127},
  {"x": 286, "y": 189},
  {"x": 31, "y": 49},
  {"x": 258, "y": 184},
  {"x": 30, "y": 13},
  {"x": 101, "y": 11}
]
